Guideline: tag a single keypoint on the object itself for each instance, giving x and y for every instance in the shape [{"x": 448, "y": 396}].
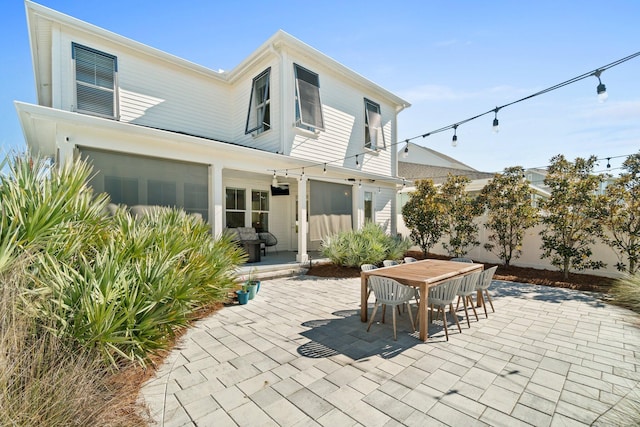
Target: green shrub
[
  {"x": 626, "y": 292},
  {"x": 369, "y": 245}
]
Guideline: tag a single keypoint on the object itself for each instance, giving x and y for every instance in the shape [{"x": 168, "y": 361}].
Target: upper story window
[
  {"x": 259, "y": 116},
  {"x": 95, "y": 81},
  {"x": 308, "y": 105},
  {"x": 373, "y": 135}
]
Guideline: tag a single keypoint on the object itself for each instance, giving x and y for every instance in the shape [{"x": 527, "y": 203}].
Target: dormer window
[
  {"x": 259, "y": 116},
  {"x": 308, "y": 105},
  {"x": 373, "y": 135},
  {"x": 95, "y": 81}
]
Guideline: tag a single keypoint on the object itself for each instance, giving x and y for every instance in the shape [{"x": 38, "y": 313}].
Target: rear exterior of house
[{"x": 241, "y": 148}]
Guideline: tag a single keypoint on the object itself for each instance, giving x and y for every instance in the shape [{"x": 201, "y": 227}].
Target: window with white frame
[
  {"x": 235, "y": 207},
  {"x": 260, "y": 210},
  {"x": 368, "y": 206},
  {"x": 95, "y": 76},
  {"x": 373, "y": 135},
  {"x": 259, "y": 116},
  {"x": 308, "y": 104}
]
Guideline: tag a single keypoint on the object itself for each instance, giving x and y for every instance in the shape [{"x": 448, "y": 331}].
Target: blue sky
[{"x": 450, "y": 59}]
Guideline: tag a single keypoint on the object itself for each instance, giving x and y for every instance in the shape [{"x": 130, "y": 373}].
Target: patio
[{"x": 298, "y": 354}]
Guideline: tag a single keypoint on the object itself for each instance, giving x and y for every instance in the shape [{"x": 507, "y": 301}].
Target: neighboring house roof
[
  {"x": 438, "y": 174},
  {"x": 426, "y": 156}
]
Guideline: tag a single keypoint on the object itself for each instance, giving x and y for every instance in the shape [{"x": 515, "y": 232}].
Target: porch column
[
  {"x": 302, "y": 255},
  {"x": 216, "y": 194}
]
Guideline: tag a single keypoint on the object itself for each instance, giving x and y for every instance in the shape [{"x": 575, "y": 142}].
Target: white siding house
[{"x": 161, "y": 130}]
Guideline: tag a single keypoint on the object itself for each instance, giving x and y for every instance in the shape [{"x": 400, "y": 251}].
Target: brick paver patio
[{"x": 298, "y": 355}]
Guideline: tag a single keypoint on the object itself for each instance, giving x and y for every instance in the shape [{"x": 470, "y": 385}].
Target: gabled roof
[{"x": 40, "y": 20}]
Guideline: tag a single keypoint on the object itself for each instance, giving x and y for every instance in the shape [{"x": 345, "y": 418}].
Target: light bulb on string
[
  {"x": 601, "y": 89},
  {"x": 496, "y": 124},
  {"x": 357, "y": 162},
  {"x": 608, "y": 162},
  {"x": 454, "y": 140},
  {"x": 324, "y": 170},
  {"x": 274, "y": 180},
  {"x": 302, "y": 175},
  {"x": 360, "y": 183},
  {"x": 405, "y": 154}
]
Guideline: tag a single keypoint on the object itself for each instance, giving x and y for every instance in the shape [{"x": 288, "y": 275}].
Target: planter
[
  {"x": 243, "y": 297},
  {"x": 253, "y": 289}
]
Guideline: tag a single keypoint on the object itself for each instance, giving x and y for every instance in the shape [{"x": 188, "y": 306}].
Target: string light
[
  {"x": 454, "y": 140},
  {"x": 406, "y": 150},
  {"x": 601, "y": 89},
  {"x": 608, "y": 162},
  {"x": 496, "y": 124},
  {"x": 274, "y": 180},
  {"x": 360, "y": 183},
  {"x": 302, "y": 175},
  {"x": 324, "y": 170},
  {"x": 357, "y": 163}
]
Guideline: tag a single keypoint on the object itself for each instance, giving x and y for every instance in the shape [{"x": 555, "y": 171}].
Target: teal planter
[
  {"x": 253, "y": 289},
  {"x": 243, "y": 297}
]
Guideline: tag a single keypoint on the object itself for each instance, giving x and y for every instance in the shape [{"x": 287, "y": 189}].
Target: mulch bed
[{"x": 582, "y": 282}]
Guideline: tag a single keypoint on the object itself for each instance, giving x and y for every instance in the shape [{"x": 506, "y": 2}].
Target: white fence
[{"x": 530, "y": 251}]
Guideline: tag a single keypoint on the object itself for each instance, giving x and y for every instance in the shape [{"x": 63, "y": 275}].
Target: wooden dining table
[{"x": 420, "y": 274}]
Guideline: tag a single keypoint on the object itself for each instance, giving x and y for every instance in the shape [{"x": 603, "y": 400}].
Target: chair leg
[
  {"x": 484, "y": 304},
  {"x": 458, "y": 303},
  {"x": 375, "y": 308},
  {"x": 395, "y": 338},
  {"x": 444, "y": 321},
  {"x": 489, "y": 298},
  {"x": 384, "y": 309},
  {"x": 455, "y": 317},
  {"x": 470, "y": 301},
  {"x": 466, "y": 313},
  {"x": 413, "y": 327}
]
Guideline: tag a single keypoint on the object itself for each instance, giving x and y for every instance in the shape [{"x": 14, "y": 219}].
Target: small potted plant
[
  {"x": 252, "y": 283},
  {"x": 243, "y": 295}
]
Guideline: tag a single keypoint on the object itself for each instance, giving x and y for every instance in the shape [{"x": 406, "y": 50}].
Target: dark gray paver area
[{"x": 298, "y": 355}]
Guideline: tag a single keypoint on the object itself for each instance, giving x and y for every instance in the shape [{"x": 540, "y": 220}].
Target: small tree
[
  {"x": 621, "y": 217},
  {"x": 423, "y": 215},
  {"x": 459, "y": 211},
  {"x": 570, "y": 214},
  {"x": 508, "y": 200}
]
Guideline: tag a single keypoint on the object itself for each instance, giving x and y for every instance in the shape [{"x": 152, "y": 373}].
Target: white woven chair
[
  {"x": 409, "y": 259},
  {"x": 483, "y": 286},
  {"x": 465, "y": 293},
  {"x": 441, "y": 296},
  {"x": 393, "y": 293},
  {"x": 389, "y": 262},
  {"x": 368, "y": 267}
]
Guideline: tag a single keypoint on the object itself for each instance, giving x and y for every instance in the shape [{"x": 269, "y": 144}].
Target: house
[{"x": 289, "y": 141}]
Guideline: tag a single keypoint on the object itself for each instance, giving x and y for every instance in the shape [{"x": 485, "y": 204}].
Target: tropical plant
[
  {"x": 570, "y": 214},
  {"x": 423, "y": 215},
  {"x": 621, "y": 216},
  {"x": 459, "y": 212},
  {"x": 507, "y": 198},
  {"x": 369, "y": 245}
]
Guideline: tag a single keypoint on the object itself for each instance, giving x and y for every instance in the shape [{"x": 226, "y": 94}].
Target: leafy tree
[
  {"x": 621, "y": 217},
  {"x": 423, "y": 215},
  {"x": 459, "y": 211},
  {"x": 508, "y": 200},
  {"x": 570, "y": 214}
]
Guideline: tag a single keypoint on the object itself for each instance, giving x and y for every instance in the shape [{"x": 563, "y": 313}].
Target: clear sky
[{"x": 450, "y": 59}]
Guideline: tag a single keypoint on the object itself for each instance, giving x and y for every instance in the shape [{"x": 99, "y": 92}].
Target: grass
[{"x": 626, "y": 293}]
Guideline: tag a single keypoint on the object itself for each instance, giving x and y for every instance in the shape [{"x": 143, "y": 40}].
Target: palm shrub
[
  {"x": 143, "y": 286},
  {"x": 369, "y": 245}
]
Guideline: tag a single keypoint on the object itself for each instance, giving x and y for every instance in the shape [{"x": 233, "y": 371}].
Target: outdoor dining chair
[
  {"x": 441, "y": 296},
  {"x": 368, "y": 267},
  {"x": 389, "y": 262},
  {"x": 465, "y": 292},
  {"x": 483, "y": 286},
  {"x": 409, "y": 259},
  {"x": 390, "y": 292}
]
